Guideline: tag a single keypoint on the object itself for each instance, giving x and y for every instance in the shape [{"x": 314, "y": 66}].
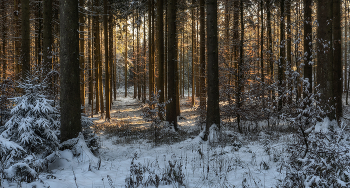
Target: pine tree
[{"x": 34, "y": 122}]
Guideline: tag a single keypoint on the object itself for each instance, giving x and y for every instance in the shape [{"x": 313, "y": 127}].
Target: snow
[{"x": 235, "y": 161}]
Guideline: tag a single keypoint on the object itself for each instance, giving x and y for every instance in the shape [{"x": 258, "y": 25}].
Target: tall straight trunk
[
  {"x": 166, "y": 53},
  {"x": 17, "y": 66},
  {"x": 25, "y": 55},
  {"x": 337, "y": 62},
  {"x": 138, "y": 63},
  {"x": 289, "y": 50},
  {"x": 100, "y": 85},
  {"x": 153, "y": 49},
  {"x": 269, "y": 47},
  {"x": 134, "y": 56},
  {"x": 213, "y": 113},
  {"x": 172, "y": 64},
  {"x": 3, "y": 56},
  {"x": 160, "y": 40},
  {"x": 281, "y": 63},
  {"x": 308, "y": 42},
  {"x": 144, "y": 62},
  {"x": 197, "y": 57},
  {"x": 240, "y": 84},
  {"x": 126, "y": 58},
  {"x": 90, "y": 64},
  {"x": 47, "y": 42},
  {"x": 345, "y": 50},
  {"x": 236, "y": 39},
  {"x": 262, "y": 50},
  {"x": 38, "y": 30},
  {"x": 193, "y": 53},
  {"x": 107, "y": 65},
  {"x": 347, "y": 13},
  {"x": 150, "y": 50},
  {"x": 183, "y": 64},
  {"x": 324, "y": 56},
  {"x": 111, "y": 59},
  {"x": 97, "y": 52},
  {"x": 69, "y": 56},
  {"x": 203, "y": 96},
  {"x": 82, "y": 53}
]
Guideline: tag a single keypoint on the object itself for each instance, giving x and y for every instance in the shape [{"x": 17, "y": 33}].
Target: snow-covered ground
[{"x": 235, "y": 161}]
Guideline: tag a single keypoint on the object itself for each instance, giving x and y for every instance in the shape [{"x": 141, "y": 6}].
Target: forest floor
[{"x": 130, "y": 156}]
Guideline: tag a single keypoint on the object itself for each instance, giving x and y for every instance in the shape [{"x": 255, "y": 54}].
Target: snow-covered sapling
[{"x": 34, "y": 123}]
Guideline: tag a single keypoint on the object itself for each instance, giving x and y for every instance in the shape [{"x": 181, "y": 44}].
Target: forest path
[{"x": 128, "y": 111}]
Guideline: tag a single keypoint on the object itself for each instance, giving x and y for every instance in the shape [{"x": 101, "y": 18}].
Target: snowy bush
[
  {"x": 327, "y": 162},
  {"x": 89, "y": 135},
  {"x": 34, "y": 127},
  {"x": 34, "y": 121},
  {"x": 6, "y": 91},
  {"x": 151, "y": 112},
  {"x": 151, "y": 175},
  {"x": 9, "y": 151}
]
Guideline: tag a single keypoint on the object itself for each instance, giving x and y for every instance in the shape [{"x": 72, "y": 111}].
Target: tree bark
[
  {"x": 337, "y": 62},
  {"x": 213, "y": 113},
  {"x": 126, "y": 58},
  {"x": 25, "y": 55},
  {"x": 203, "y": 96},
  {"x": 308, "y": 43},
  {"x": 82, "y": 53},
  {"x": 97, "y": 53},
  {"x": 69, "y": 56},
  {"x": 4, "y": 40},
  {"x": 150, "y": 50},
  {"x": 281, "y": 63},
  {"x": 160, "y": 41},
  {"x": 17, "y": 67},
  {"x": 325, "y": 56},
  {"x": 193, "y": 53},
  {"x": 172, "y": 64},
  {"x": 90, "y": 64},
  {"x": 107, "y": 63}
]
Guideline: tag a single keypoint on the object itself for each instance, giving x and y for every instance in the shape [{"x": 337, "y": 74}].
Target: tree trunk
[
  {"x": 126, "y": 58},
  {"x": 133, "y": 55},
  {"x": 17, "y": 42},
  {"x": 25, "y": 55},
  {"x": 69, "y": 56},
  {"x": 39, "y": 31},
  {"x": 90, "y": 64},
  {"x": 150, "y": 50},
  {"x": 166, "y": 53},
  {"x": 193, "y": 53},
  {"x": 262, "y": 52},
  {"x": 213, "y": 113},
  {"x": 325, "y": 56},
  {"x": 107, "y": 63},
  {"x": 337, "y": 62},
  {"x": 240, "y": 83},
  {"x": 97, "y": 53},
  {"x": 289, "y": 51},
  {"x": 160, "y": 41},
  {"x": 138, "y": 63},
  {"x": 144, "y": 62},
  {"x": 281, "y": 63},
  {"x": 82, "y": 53},
  {"x": 172, "y": 64},
  {"x": 111, "y": 56},
  {"x": 4, "y": 40},
  {"x": 203, "y": 97},
  {"x": 270, "y": 50},
  {"x": 308, "y": 42}
]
